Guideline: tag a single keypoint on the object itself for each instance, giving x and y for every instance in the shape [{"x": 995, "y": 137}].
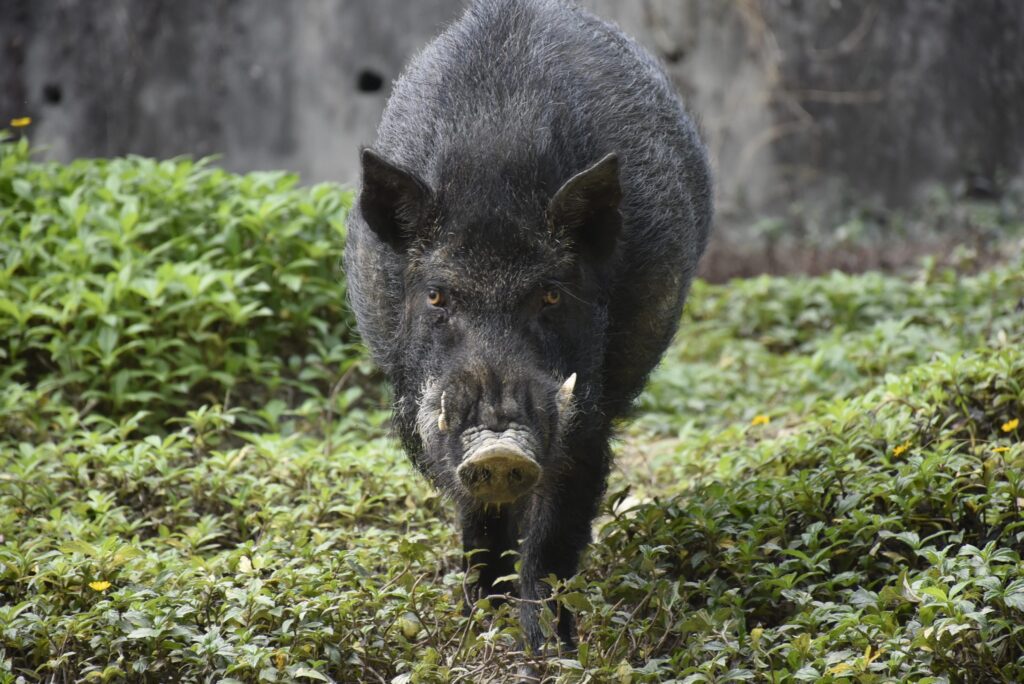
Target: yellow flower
[
  {"x": 1011, "y": 425},
  {"x": 21, "y": 122},
  {"x": 1001, "y": 450},
  {"x": 900, "y": 449},
  {"x": 99, "y": 586},
  {"x": 761, "y": 420}
]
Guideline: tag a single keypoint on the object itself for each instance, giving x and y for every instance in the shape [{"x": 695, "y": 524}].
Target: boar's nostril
[{"x": 477, "y": 476}]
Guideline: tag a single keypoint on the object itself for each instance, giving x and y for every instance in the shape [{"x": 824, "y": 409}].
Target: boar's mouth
[{"x": 499, "y": 467}]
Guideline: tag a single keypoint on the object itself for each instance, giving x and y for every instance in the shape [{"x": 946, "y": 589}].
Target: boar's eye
[
  {"x": 435, "y": 297},
  {"x": 552, "y": 297}
]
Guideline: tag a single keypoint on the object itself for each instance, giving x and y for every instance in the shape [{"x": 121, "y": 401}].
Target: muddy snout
[{"x": 498, "y": 469}]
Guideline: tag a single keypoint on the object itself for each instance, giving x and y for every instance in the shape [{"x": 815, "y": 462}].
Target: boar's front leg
[
  {"x": 486, "y": 535},
  {"x": 557, "y": 532}
]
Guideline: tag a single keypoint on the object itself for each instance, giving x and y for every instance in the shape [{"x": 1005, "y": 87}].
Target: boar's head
[{"x": 502, "y": 321}]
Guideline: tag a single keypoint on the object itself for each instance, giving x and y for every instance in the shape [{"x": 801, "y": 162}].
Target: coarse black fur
[{"x": 479, "y": 272}]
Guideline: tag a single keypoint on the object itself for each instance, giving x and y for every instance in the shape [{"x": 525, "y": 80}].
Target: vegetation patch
[
  {"x": 134, "y": 284},
  {"x": 824, "y": 482}
]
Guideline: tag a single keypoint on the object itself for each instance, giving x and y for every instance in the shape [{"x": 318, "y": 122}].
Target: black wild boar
[{"x": 529, "y": 221}]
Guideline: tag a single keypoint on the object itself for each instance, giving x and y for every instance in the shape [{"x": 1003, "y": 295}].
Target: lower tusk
[
  {"x": 564, "y": 397},
  {"x": 442, "y": 421}
]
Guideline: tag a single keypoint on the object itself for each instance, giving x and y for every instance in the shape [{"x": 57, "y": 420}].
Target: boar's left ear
[
  {"x": 587, "y": 208},
  {"x": 393, "y": 200}
]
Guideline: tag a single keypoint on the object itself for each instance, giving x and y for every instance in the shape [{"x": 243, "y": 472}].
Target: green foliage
[
  {"x": 132, "y": 284},
  {"x": 791, "y": 342},
  {"x": 887, "y": 524},
  {"x": 866, "y": 527}
]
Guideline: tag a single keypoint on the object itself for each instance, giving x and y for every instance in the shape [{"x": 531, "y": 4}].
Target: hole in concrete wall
[
  {"x": 369, "y": 81},
  {"x": 675, "y": 55},
  {"x": 52, "y": 93}
]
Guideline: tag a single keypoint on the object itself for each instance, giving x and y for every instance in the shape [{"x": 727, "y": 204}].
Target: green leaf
[
  {"x": 144, "y": 633},
  {"x": 22, "y": 188}
]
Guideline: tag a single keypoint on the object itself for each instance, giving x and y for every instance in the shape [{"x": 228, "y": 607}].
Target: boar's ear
[
  {"x": 587, "y": 208},
  {"x": 393, "y": 200}
]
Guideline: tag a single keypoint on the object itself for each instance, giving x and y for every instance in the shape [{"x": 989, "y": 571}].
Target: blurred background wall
[{"x": 829, "y": 122}]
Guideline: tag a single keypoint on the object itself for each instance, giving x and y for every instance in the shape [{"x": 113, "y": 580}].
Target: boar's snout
[
  {"x": 498, "y": 471},
  {"x": 498, "y": 444}
]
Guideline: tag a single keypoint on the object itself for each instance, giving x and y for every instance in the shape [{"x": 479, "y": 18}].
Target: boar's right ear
[
  {"x": 587, "y": 208},
  {"x": 393, "y": 200}
]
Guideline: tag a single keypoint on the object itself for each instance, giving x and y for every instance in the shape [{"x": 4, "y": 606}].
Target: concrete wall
[
  {"x": 805, "y": 103},
  {"x": 264, "y": 83}
]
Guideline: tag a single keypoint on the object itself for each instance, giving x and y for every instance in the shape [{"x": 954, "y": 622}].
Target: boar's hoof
[{"x": 498, "y": 473}]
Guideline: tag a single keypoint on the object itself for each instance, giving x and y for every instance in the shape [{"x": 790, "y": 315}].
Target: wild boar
[{"x": 529, "y": 221}]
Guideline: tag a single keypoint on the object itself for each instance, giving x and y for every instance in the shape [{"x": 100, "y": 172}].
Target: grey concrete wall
[
  {"x": 805, "y": 103},
  {"x": 264, "y": 83}
]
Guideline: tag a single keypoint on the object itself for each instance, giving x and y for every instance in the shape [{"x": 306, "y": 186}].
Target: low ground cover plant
[{"x": 824, "y": 482}]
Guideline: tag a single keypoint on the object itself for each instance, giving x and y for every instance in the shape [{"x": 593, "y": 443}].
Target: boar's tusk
[
  {"x": 564, "y": 397},
  {"x": 442, "y": 421}
]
